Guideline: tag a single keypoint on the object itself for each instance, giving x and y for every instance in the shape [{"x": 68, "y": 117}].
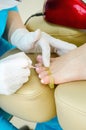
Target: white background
[{"x": 28, "y": 7}]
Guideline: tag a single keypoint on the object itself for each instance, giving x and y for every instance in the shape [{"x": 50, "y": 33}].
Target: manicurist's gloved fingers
[
  {"x": 14, "y": 72},
  {"x": 61, "y": 47},
  {"x": 43, "y": 43},
  {"x": 20, "y": 60}
]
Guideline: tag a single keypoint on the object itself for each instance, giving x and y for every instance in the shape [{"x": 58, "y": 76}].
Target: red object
[{"x": 70, "y": 13}]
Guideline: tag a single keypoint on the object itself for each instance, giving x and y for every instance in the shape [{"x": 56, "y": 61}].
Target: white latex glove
[
  {"x": 25, "y": 41},
  {"x": 14, "y": 72},
  {"x": 60, "y": 47}
]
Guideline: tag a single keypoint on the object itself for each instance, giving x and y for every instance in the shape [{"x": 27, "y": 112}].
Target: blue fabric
[
  {"x": 52, "y": 124},
  {"x": 6, "y": 115},
  {"x": 3, "y": 18},
  {"x": 4, "y": 47},
  {"x": 5, "y": 125}
]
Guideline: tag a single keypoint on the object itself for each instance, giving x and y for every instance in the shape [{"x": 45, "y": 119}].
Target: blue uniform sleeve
[{"x": 3, "y": 18}]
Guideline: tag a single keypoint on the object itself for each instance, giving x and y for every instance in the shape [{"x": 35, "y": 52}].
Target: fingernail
[
  {"x": 39, "y": 76},
  {"x": 42, "y": 81},
  {"x": 37, "y": 69}
]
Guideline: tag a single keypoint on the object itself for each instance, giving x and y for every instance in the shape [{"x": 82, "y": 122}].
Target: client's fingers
[
  {"x": 39, "y": 59},
  {"x": 45, "y": 79},
  {"x": 43, "y": 74},
  {"x": 40, "y": 69}
]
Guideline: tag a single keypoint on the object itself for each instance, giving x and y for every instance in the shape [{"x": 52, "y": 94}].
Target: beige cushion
[
  {"x": 33, "y": 101},
  {"x": 71, "y": 105},
  {"x": 70, "y": 97}
]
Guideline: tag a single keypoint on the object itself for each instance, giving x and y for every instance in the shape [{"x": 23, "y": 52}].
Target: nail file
[{"x": 33, "y": 67}]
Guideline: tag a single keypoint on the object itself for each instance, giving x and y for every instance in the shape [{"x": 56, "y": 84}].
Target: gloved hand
[
  {"x": 14, "y": 72},
  {"x": 60, "y": 47},
  {"x": 25, "y": 41}
]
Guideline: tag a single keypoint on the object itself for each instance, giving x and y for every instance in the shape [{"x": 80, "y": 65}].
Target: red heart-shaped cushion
[{"x": 70, "y": 13}]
